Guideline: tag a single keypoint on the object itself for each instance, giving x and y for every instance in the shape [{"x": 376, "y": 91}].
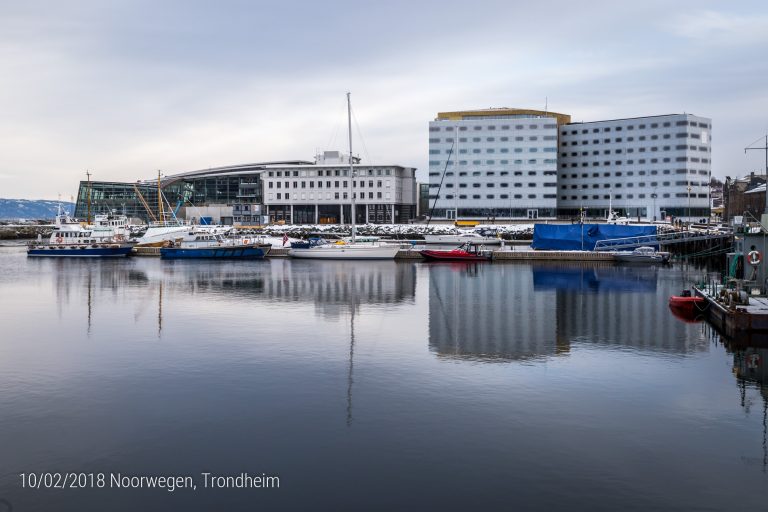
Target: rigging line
[
  {"x": 450, "y": 152},
  {"x": 362, "y": 139},
  {"x": 335, "y": 132},
  {"x": 758, "y": 140}
]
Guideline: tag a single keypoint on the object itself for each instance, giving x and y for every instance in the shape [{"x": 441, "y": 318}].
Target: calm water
[{"x": 384, "y": 386}]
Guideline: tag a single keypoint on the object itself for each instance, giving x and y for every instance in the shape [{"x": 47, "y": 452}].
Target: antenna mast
[{"x": 766, "y": 168}]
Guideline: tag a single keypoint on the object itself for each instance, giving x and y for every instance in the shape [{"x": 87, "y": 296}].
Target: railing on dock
[{"x": 677, "y": 237}]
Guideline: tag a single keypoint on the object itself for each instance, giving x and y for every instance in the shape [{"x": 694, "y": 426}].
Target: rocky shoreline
[{"x": 24, "y": 232}]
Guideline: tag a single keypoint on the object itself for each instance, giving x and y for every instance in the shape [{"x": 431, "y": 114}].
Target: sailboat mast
[
  {"x": 88, "y": 175},
  {"x": 351, "y": 166},
  {"x": 160, "y": 214}
]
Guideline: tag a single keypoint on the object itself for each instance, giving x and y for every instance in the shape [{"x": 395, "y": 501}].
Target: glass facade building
[{"x": 233, "y": 186}]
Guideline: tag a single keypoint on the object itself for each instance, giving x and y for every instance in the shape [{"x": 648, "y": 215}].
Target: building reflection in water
[
  {"x": 332, "y": 287},
  {"x": 515, "y": 312}
]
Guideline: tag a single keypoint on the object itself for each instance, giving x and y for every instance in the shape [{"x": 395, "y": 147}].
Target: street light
[
  {"x": 653, "y": 196},
  {"x": 689, "y": 203}
]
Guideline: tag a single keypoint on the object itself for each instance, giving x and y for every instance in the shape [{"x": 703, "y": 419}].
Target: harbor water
[{"x": 373, "y": 386}]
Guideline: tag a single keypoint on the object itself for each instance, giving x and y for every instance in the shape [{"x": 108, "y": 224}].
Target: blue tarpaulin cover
[{"x": 568, "y": 237}]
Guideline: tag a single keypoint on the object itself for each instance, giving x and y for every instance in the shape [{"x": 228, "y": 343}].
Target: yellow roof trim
[{"x": 464, "y": 114}]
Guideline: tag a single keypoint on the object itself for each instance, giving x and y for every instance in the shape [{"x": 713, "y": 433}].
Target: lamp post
[
  {"x": 653, "y": 196},
  {"x": 689, "y": 203}
]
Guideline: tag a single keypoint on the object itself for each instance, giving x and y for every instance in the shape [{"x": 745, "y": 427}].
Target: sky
[{"x": 126, "y": 88}]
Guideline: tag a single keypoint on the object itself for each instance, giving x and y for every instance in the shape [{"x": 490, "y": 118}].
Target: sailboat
[{"x": 353, "y": 250}]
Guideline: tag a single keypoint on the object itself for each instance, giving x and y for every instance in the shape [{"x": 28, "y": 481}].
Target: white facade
[
  {"x": 321, "y": 193},
  {"x": 493, "y": 164},
  {"x": 647, "y": 167}
]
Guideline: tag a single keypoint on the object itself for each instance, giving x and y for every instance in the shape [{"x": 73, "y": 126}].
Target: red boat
[
  {"x": 687, "y": 307},
  {"x": 465, "y": 252}
]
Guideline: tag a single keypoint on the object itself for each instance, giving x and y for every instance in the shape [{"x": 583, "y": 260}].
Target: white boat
[
  {"x": 353, "y": 250},
  {"x": 74, "y": 239},
  {"x": 643, "y": 254},
  {"x": 277, "y": 242},
  {"x": 323, "y": 250},
  {"x": 161, "y": 233},
  {"x": 461, "y": 238}
]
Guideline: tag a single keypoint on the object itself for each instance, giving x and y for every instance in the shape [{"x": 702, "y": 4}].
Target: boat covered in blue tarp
[{"x": 578, "y": 237}]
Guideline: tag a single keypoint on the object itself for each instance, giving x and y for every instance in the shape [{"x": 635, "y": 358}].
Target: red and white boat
[{"x": 465, "y": 252}]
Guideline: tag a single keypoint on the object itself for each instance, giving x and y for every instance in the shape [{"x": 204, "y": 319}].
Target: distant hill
[{"x": 32, "y": 209}]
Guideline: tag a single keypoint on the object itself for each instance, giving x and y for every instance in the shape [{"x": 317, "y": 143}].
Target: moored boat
[
  {"x": 465, "y": 252},
  {"x": 318, "y": 248},
  {"x": 72, "y": 239},
  {"x": 203, "y": 245},
  {"x": 460, "y": 238},
  {"x": 686, "y": 306},
  {"x": 643, "y": 254},
  {"x": 343, "y": 250}
]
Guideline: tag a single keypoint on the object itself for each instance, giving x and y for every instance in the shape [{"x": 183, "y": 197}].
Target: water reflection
[
  {"x": 330, "y": 286},
  {"x": 518, "y": 312},
  {"x": 751, "y": 371}
]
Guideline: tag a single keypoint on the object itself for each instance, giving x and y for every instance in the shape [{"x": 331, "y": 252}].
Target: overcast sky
[{"x": 125, "y": 88}]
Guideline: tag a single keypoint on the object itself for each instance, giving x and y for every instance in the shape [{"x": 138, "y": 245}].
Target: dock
[
  {"x": 412, "y": 253},
  {"x": 734, "y": 312}
]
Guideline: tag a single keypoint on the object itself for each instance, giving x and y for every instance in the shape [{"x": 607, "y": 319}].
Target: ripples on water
[{"x": 375, "y": 386}]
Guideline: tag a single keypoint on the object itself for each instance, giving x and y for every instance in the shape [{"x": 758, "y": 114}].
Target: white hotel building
[
  {"x": 651, "y": 167},
  {"x": 320, "y": 193},
  {"x": 494, "y": 164},
  {"x": 528, "y": 164}
]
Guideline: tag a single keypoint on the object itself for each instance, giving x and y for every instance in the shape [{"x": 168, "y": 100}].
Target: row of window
[
  {"x": 493, "y": 139},
  {"x": 631, "y": 196},
  {"x": 329, "y": 172},
  {"x": 680, "y": 147},
  {"x": 328, "y": 195},
  {"x": 344, "y": 184},
  {"x": 532, "y": 161},
  {"x": 681, "y": 135},
  {"x": 492, "y": 185},
  {"x": 578, "y": 186},
  {"x": 640, "y": 161},
  {"x": 501, "y": 196},
  {"x": 641, "y": 184},
  {"x": 492, "y": 127},
  {"x": 642, "y": 126},
  {"x": 493, "y": 150},
  {"x": 654, "y": 172},
  {"x": 493, "y": 173}
]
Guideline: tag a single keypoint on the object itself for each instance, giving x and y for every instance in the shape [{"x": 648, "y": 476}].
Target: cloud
[
  {"x": 716, "y": 28},
  {"x": 126, "y": 88}
]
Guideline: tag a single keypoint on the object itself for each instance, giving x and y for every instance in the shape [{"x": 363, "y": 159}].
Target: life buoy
[
  {"x": 754, "y": 257},
  {"x": 59, "y": 239}
]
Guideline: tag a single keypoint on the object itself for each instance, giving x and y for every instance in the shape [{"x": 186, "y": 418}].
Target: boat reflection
[{"x": 328, "y": 285}]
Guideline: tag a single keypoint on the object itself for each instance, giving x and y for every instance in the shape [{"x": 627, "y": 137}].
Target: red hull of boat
[
  {"x": 454, "y": 255},
  {"x": 687, "y": 307}
]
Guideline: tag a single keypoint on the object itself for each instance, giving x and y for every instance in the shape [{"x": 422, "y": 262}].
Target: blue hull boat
[
  {"x": 80, "y": 251},
  {"x": 252, "y": 252}
]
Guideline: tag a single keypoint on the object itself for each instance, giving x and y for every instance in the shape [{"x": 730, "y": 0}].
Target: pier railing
[{"x": 678, "y": 237}]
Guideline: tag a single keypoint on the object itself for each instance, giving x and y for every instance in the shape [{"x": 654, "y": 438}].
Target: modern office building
[
  {"x": 517, "y": 164},
  {"x": 321, "y": 192},
  {"x": 647, "y": 167},
  {"x": 192, "y": 195},
  {"x": 295, "y": 191},
  {"x": 497, "y": 163}
]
